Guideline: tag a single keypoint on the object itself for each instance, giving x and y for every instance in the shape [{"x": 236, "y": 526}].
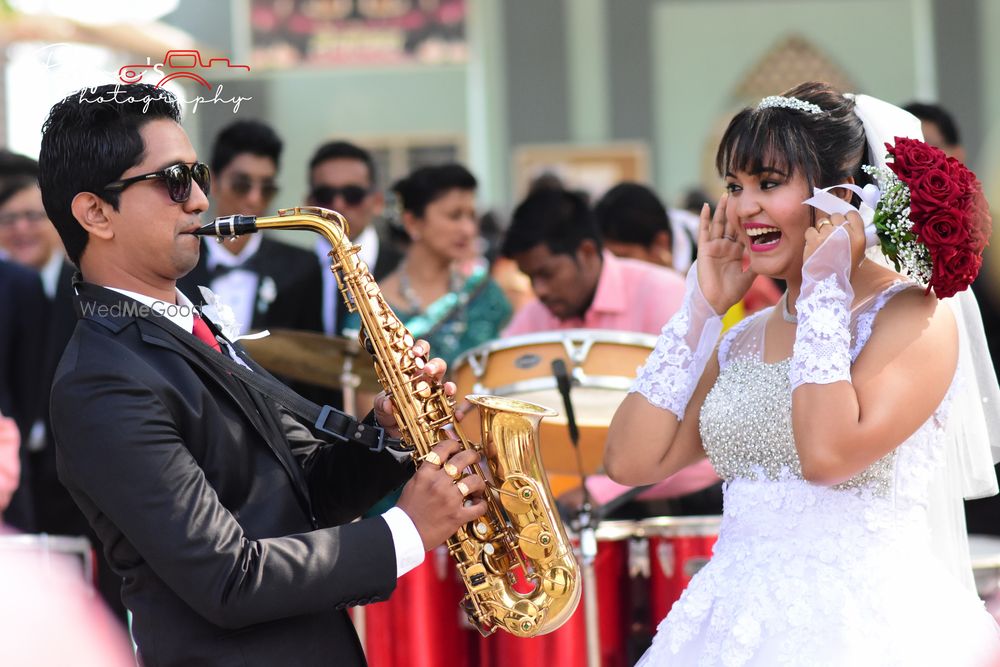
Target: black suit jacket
[
  {"x": 56, "y": 513},
  {"x": 297, "y": 298},
  {"x": 226, "y": 518},
  {"x": 22, "y": 331}
]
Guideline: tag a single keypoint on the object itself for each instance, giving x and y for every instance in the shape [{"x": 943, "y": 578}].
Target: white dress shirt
[
  {"x": 50, "y": 273},
  {"x": 369, "y": 241},
  {"x": 238, "y": 287},
  {"x": 406, "y": 540}
]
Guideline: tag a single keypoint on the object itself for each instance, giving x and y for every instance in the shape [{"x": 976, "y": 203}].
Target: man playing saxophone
[{"x": 229, "y": 522}]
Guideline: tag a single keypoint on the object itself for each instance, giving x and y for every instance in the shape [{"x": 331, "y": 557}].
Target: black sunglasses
[
  {"x": 353, "y": 195},
  {"x": 177, "y": 177},
  {"x": 242, "y": 185}
]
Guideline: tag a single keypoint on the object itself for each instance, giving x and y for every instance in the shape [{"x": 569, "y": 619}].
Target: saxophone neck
[{"x": 329, "y": 224}]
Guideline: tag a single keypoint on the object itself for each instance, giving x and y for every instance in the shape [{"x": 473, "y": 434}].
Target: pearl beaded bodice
[{"x": 746, "y": 419}]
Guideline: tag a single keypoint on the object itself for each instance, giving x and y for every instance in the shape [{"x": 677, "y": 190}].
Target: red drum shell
[
  {"x": 567, "y": 645},
  {"x": 678, "y": 548},
  {"x": 422, "y": 624}
]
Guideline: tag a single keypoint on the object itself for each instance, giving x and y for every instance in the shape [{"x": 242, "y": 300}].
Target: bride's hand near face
[
  {"x": 826, "y": 225},
  {"x": 721, "y": 246}
]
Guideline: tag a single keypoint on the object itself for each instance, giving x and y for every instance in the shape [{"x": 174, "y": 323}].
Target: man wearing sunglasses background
[
  {"x": 267, "y": 283},
  {"x": 231, "y": 525},
  {"x": 342, "y": 177}
]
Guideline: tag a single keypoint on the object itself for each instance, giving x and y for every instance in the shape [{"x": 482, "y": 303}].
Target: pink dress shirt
[{"x": 631, "y": 296}]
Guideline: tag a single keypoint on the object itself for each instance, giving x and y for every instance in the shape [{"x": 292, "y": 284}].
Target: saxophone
[{"x": 520, "y": 542}]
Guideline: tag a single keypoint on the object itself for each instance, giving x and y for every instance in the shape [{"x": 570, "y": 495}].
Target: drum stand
[
  {"x": 587, "y": 527},
  {"x": 585, "y": 522}
]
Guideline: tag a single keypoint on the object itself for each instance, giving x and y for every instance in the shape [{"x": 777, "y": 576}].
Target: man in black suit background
[
  {"x": 267, "y": 283},
  {"x": 231, "y": 525},
  {"x": 342, "y": 177},
  {"x": 22, "y": 330}
]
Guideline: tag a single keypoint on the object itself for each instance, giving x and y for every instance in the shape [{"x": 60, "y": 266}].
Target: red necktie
[{"x": 204, "y": 334}]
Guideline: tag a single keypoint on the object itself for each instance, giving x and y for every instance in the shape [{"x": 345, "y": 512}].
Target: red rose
[
  {"x": 980, "y": 224},
  {"x": 934, "y": 190},
  {"x": 954, "y": 270},
  {"x": 962, "y": 176},
  {"x": 911, "y": 158},
  {"x": 945, "y": 227}
]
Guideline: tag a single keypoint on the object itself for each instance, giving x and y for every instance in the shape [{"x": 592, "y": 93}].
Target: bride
[{"x": 827, "y": 415}]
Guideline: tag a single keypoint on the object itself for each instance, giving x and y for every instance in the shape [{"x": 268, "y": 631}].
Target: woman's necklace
[
  {"x": 785, "y": 315},
  {"x": 413, "y": 302}
]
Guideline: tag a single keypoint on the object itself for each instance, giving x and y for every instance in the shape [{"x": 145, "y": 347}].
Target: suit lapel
[
  {"x": 250, "y": 401},
  {"x": 161, "y": 332}
]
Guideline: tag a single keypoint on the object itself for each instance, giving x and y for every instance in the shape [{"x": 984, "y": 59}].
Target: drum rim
[
  {"x": 615, "y": 383},
  {"x": 699, "y": 525},
  {"x": 605, "y": 335}
]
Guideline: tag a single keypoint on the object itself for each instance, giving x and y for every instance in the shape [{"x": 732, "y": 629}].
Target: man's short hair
[
  {"x": 88, "y": 141},
  {"x": 560, "y": 219},
  {"x": 245, "y": 136},
  {"x": 632, "y": 213},
  {"x": 934, "y": 113},
  {"x": 342, "y": 150},
  {"x": 17, "y": 172}
]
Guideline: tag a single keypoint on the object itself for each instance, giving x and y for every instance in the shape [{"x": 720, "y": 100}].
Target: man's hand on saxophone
[{"x": 440, "y": 498}]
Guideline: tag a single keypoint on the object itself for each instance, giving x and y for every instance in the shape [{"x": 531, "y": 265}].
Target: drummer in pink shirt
[{"x": 554, "y": 239}]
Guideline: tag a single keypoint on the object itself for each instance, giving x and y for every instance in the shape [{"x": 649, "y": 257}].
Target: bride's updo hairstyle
[{"x": 809, "y": 129}]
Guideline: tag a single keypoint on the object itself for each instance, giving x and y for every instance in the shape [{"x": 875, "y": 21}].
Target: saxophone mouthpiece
[{"x": 230, "y": 225}]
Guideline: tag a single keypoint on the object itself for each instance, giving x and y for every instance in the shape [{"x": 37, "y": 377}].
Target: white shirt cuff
[{"x": 406, "y": 539}]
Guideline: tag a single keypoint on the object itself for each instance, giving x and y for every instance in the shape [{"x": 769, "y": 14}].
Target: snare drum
[
  {"x": 421, "y": 624},
  {"x": 601, "y": 364},
  {"x": 678, "y": 547},
  {"x": 567, "y": 645}
]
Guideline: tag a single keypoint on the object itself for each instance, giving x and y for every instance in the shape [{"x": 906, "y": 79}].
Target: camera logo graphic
[{"x": 178, "y": 64}]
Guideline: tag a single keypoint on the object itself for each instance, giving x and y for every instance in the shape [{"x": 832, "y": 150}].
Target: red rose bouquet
[{"x": 932, "y": 220}]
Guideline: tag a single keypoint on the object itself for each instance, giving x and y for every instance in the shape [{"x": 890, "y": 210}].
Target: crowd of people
[{"x": 782, "y": 383}]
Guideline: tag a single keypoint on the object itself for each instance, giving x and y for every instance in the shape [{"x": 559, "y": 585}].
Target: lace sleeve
[
  {"x": 822, "y": 351},
  {"x": 671, "y": 373}
]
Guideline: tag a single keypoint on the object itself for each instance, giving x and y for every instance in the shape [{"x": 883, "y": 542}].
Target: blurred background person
[
  {"x": 22, "y": 335},
  {"x": 342, "y": 177},
  {"x": 443, "y": 298},
  {"x": 634, "y": 223},
  {"x": 939, "y": 128},
  {"x": 579, "y": 284},
  {"x": 267, "y": 283}
]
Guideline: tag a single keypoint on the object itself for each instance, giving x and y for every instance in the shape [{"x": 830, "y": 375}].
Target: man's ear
[
  {"x": 587, "y": 249},
  {"x": 663, "y": 248},
  {"x": 92, "y": 213}
]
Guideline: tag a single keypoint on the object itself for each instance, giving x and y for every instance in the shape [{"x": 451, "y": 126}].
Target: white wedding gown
[{"x": 809, "y": 575}]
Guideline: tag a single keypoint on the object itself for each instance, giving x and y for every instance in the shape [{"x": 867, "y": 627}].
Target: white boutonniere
[
  {"x": 266, "y": 294},
  {"x": 224, "y": 318}
]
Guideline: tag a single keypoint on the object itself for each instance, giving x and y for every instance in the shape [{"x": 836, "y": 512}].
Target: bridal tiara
[{"x": 779, "y": 102}]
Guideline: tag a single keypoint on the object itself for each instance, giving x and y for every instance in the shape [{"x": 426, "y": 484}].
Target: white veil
[{"x": 973, "y": 430}]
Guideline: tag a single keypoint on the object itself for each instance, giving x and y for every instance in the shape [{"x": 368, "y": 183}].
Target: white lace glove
[
  {"x": 822, "y": 352},
  {"x": 684, "y": 346}
]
